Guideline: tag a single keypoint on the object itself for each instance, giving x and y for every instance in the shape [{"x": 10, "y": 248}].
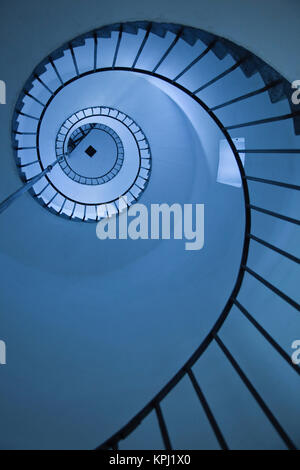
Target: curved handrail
[{"x": 152, "y": 405}]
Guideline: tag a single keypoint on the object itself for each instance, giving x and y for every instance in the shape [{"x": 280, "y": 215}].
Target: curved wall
[{"x": 41, "y": 373}]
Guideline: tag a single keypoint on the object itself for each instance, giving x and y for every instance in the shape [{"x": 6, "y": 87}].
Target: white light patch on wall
[{"x": 228, "y": 170}]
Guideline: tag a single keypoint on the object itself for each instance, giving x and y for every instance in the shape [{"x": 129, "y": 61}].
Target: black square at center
[{"x": 90, "y": 151}]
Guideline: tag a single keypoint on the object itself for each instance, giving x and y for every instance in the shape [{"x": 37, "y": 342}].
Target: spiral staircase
[{"x": 241, "y": 96}]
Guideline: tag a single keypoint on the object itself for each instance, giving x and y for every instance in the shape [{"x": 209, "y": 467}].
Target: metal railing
[
  {"x": 186, "y": 370},
  {"x": 272, "y": 82}
]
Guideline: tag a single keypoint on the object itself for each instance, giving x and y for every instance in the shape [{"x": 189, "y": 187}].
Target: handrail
[{"x": 26, "y": 186}]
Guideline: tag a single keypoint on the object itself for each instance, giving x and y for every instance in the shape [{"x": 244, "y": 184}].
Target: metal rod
[
  {"x": 275, "y": 248},
  {"x": 28, "y": 115},
  {"x": 209, "y": 47},
  {"x": 44, "y": 84},
  {"x": 163, "y": 427},
  {"x": 269, "y": 151},
  {"x": 24, "y": 133},
  {"x": 55, "y": 70},
  {"x": 118, "y": 45},
  {"x": 34, "y": 98},
  {"x": 73, "y": 210},
  {"x": 268, "y": 337},
  {"x": 74, "y": 58},
  {"x": 208, "y": 411},
  {"x": 256, "y": 396},
  {"x": 42, "y": 190},
  {"x": 275, "y": 214},
  {"x": 273, "y": 288},
  {"x": 25, "y": 148},
  {"x": 221, "y": 75},
  {"x": 168, "y": 50},
  {"x": 142, "y": 45},
  {"x": 247, "y": 95},
  {"x": 95, "y": 50},
  {"x": 10, "y": 199},
  {"x": 28, "y": 164},
  {"x": 275, "y": 183},
  {"x": 84, "y": 213},
  {"x": 62, "y": 207},
  {"x": 50, "y": 200},
  {"x": 264, "y": 121}
]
